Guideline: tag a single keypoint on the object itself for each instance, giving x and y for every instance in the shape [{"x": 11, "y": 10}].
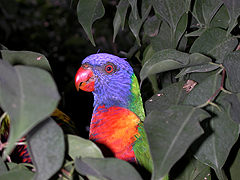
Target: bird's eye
[{"x": 109, "y": 68}]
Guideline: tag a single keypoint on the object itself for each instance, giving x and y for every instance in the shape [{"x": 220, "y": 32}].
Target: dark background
[{"x": 51, "y": 27}]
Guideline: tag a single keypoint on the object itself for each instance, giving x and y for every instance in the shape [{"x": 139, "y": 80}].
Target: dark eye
[{"x": 109, "y": 68}]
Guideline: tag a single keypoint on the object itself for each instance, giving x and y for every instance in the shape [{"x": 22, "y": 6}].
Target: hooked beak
[{"x": 85, "y": 79}]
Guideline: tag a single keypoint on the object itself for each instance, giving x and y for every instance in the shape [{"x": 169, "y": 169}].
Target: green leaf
[
  {"x": 232, "y": 64},
  {"x": 233, "y": 8},
  {"x": 221, "y": 133},
  {"x": 170, "y": 59},
  {"x": 164, "y": 39},
  {"x": 234, "y": 169},
  {"x": 200, "y": 68},
  {"x": 109, "y": 168},
  {"x": 170, "y": 133},
  {"x": 171, "y": 95},
  {"x": 26, "y": 58},
  {"x": 29, "y": 95},
  {"x": 221, "y": 18},
  {"x": 203, "y": 91},
  {"x": 214, "y": 43},
  {"x": 17, "y": 174},
  {"x": 151, "y": 26},
  {"x": 234, "y": 101},
  {"x": 47, "y": 147},
  {"x": 135, "y": 23},
  {"x": 170, "y": 10},
  {"x": 3, "y": 167},
  {"x": 196, "y": 33},
  {"x": 133, "y": 4},
  {"x": 180, "y": 29},
  {"x": 120, "y": 16},
  {"x": 205, "y": 10},
  {"x": 194, "y": 170},
  {"x": 88, "y": 12},
  {"x": 79, "y": 147}
]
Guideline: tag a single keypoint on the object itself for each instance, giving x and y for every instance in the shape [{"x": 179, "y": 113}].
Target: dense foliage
[{"x": 188, "y": 52}]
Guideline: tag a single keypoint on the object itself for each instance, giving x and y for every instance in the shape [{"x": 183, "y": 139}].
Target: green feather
[{"x": 141, "y": 147}]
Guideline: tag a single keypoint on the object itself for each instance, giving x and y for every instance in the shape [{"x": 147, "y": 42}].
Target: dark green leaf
[
  {"x": 234, "y": 101},
  {"x": 221, "y": 18},
  {"x": 29, "y": 95},
  {"x": 17, "y": 175},
  {"x": 170, "y": 10},
  {"x": 232, "y": 64},
  {"x": 120, "y": 16},
  {"x": 170, "y": 59},
  {"x": 109, "y": 168},
  {"x": 164, "y": 38},
  {"x": 196, "y": 33},
  {"x": 151, "y": 26},
  {"x": 233, "y": 8},
  {"x": 204, "y": 90},
  {"x": 26, "y": 58},
  {"x": 221, "y": 134},
  {"x": 79, "y": 147},
  {"x": 135, "y": 23},
  {"x": 180, "y": 29},
  {"x": 133, "y": 4},
  {"x": 195, "y": 170},
  {"x": 214, "y": 43},
  {"x": 47, "y": 148},
  {"x": 3, "y": 167},
  {"x": 170, "y": 133},
  {"x": 171, "y": 95},
  {"x": 200, "y": 68},
  {"x": 234, "y": 169},
  {"x": 88, "y": 12}
]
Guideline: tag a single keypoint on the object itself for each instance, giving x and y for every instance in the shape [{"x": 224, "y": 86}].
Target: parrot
[{"x": 118, "y": 114}]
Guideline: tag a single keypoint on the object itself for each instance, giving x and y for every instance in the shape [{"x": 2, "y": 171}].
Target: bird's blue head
[{"x": 109, "y": 78}]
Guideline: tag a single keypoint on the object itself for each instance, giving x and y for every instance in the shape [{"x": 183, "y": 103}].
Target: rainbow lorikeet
[{"x": 117, "y": 120}]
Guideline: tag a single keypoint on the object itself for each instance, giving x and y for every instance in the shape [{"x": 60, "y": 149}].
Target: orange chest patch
[{"x": 116, "y": 128}]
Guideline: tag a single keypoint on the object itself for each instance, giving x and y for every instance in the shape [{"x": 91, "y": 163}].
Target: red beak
[{"x": 85, "y": 79}]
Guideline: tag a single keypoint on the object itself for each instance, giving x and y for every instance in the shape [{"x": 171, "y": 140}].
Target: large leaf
[
  {"x": 204, "y": 90},
  {"x": 120, "y": 16},
  {"x": 232, "y": 64},
  {"x": 79, "y": 147},
  {"x": 233, "y": 7},
  {"x": 88, "y": 12},
  {"x": 170, "y": 59},
  {"x": 109, "y": 168},
  {"x": 214, "y": 43},
  {"x": 170, "y": 133},
  {"x": 170, "y": 10},
  {"x": 204, "y": 10},
  {"x": 221, "y": 18},
  {"x": 17, "y": 174},
  {"x": 26, "y": 58},
  {"x": 47, "y": 148},
  {"x": 171, "y": 95},
  {"x": 29, "y": 95},
  {"x": 221, "y": 134}
]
